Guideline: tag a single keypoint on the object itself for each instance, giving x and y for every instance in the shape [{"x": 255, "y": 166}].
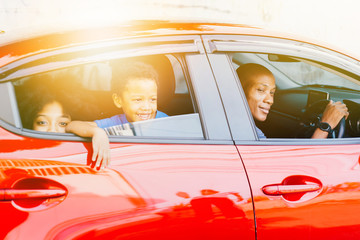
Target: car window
[
  {"x": 297, "y": 71},
  {"x": 8, "y": 107},
  {"x": 86, "y": 93},
  {"x": 305, "y": 72},
  {"x": 296, "y": 108}
]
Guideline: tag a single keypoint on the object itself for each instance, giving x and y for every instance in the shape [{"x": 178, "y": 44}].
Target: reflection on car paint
[{"x": 319, "y": 211}]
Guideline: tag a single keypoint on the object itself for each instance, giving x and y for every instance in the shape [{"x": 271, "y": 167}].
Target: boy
[{"x": 135, "y": 92}]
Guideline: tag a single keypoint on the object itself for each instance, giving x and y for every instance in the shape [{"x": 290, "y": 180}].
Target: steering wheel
[
  {"x": 313, "y": 114},
  {"x": 353, "y": 120}
]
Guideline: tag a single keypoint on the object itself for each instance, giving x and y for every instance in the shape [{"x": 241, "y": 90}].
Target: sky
[{"x": 330, "y": 21}]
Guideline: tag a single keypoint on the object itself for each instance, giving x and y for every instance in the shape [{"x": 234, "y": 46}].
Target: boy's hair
[
  {"x": 247, "y": 72},
  {"x": 124, "y": 71}
]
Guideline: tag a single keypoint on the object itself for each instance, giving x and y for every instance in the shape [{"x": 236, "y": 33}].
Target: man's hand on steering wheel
[
  {"x": 334, "y": 112},
  {"x": 332, "y": 115}
]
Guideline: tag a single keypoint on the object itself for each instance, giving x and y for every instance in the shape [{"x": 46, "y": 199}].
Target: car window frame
[
  {"x": 96, "y": 52},
  {"x": 219, "y": 47},
  {"x": 8, "y": 108},
  {"x": 187, "y": 45},
  {"x": 281, "y": 46}
]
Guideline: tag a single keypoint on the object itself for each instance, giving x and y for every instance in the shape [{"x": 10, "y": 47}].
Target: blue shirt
[
  {"x": 120, "y": 119},
  {"x": 260, "y": 134}
]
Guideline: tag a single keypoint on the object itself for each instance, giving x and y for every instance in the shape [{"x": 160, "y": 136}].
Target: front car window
[
  {"x": 305, "y": 72},
  {"x": 297, "y": 71},
  {"x": 300, "y": 83}
]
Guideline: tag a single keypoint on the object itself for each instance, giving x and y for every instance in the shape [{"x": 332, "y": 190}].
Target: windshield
[{"x": 304, "y": 72}]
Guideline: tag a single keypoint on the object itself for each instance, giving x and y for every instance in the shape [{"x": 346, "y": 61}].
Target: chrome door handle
[
  {"x": 18, "y": 194},
  {"x": 279, "y": 189}
]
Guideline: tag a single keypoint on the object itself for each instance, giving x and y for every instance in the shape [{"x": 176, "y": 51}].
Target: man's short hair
[{"x": 247, "y": 72}]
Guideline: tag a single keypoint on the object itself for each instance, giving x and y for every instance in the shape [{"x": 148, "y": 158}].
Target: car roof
[{"x": 16, "y": 45}]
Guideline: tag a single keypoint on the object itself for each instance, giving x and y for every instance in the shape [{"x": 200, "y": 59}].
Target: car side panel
[
  {"x": 302, "y": 188},
  {"x": 158, "y": 191},
  {"x": 328, "y": 213}
]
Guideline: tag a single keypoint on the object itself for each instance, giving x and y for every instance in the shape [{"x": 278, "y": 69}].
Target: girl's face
[{"x": 51, "y": 118}]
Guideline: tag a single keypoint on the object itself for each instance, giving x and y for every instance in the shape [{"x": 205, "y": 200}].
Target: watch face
[{"x": 325, "y": 127}]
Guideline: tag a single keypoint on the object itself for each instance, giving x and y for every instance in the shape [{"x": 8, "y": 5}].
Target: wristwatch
[{"x": 324, "y": 126}]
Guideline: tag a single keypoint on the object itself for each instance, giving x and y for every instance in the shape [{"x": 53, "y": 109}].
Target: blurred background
[{"x": 331, "y": 21}]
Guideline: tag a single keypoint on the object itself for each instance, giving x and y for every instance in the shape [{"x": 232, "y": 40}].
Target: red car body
[{"x": 222, "y": 187}]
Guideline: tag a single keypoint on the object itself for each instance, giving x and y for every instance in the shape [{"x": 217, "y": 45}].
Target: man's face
[
  {"x": 139, "y": 99},
  {"x": 260, "y": 95}
]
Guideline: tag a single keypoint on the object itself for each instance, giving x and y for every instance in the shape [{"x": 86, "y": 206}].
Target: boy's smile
[{"x": 138, "y": 100}]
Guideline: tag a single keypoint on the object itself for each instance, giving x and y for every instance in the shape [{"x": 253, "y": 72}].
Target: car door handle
[
  {"x": 18, "y": 194},
  {"x": 279, "y": 189}
]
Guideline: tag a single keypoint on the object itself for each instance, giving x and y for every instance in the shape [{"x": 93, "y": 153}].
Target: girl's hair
[{"x": 34, "y": 94}]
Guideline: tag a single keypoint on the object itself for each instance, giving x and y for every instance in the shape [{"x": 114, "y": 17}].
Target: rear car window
[{"x": 86, "y": 93}]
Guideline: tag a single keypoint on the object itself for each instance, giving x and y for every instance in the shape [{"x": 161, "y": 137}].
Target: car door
[
  {"x": 302, "y": 188},
  {"x": 185, "y": 180}
]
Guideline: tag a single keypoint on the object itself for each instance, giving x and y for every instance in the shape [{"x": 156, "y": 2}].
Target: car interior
[
  {"x": 89, "y": 88},
  {"x": 304, "y": 88}
]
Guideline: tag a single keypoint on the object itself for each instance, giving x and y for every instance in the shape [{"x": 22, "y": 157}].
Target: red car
[{"x": 200, "y": 173}]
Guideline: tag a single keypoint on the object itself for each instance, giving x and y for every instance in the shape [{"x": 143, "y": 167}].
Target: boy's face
[{"x": 138, "y": 100}]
